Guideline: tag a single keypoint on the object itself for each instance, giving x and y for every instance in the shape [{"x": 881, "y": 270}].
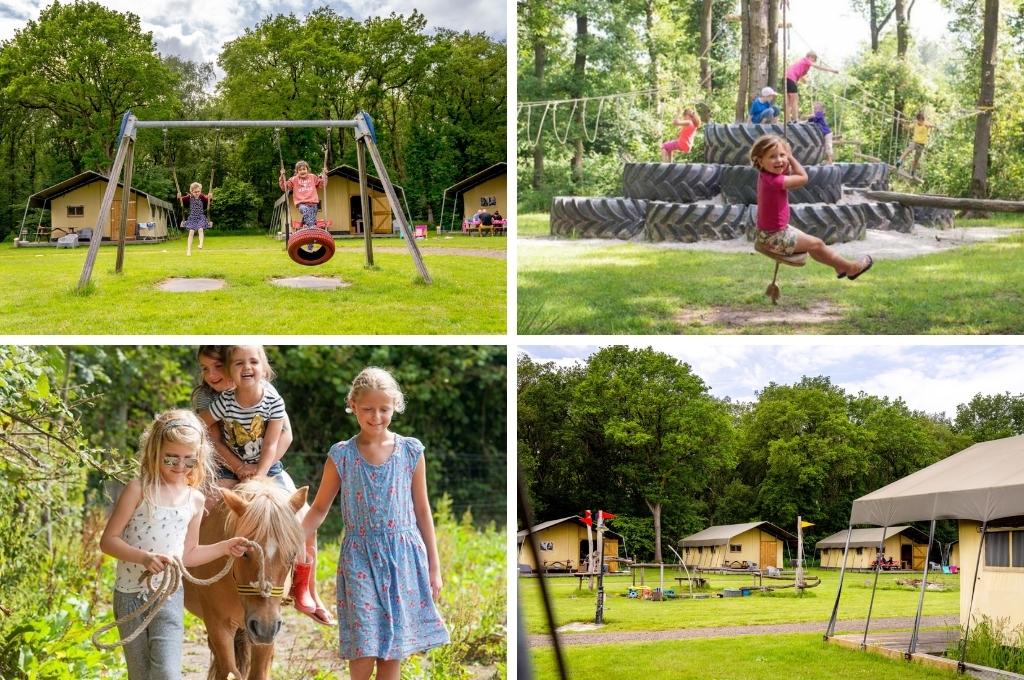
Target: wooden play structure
[{"x": 362, "y": 126}]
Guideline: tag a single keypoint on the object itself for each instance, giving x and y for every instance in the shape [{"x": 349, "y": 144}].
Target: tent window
[
  {"x": 860, "y": 551},
  {"x": 1017, "y": 549},
  {"x": 735, "y": 548},
  {"x": 700, "y": 549},
  {"x": 76, "y": 211},
  {"x": 997, "y": 549}
]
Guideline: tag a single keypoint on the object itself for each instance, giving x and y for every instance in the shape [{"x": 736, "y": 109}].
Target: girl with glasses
[{"x": 155, "y": 519}]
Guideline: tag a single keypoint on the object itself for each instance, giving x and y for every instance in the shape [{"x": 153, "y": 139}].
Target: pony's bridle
[{"x": 262, "y": 586}]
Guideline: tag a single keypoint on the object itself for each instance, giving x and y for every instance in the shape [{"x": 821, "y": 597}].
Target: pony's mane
[{"x": 269, "y": 519}]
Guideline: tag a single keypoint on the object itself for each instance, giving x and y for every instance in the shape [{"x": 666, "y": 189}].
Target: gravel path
[{"x": 595, "y": 638}]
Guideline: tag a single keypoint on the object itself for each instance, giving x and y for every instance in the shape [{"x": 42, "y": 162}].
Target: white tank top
[{"x": 157, "y": 529}]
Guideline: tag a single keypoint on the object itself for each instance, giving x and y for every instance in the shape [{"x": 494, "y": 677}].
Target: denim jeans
[{"x": 156, "y": 653}]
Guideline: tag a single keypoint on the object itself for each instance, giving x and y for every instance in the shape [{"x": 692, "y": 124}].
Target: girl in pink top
[
  {"x": 688, "y": 124},
  {"x": 793, "y": 75},
  {"x": 303, "y": 186},
  {"x": 780, "y": 172}
]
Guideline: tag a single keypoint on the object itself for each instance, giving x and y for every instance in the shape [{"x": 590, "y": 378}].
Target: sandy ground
[{"x": 881, "y": 245}]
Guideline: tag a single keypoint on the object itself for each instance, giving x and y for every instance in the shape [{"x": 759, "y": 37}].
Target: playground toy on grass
[{"x": 362, "y": 126}]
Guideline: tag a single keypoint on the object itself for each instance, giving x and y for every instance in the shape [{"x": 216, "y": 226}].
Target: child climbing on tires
[
  {"x": 779, "y": 172},
  {"x": 688, "y": 123}
]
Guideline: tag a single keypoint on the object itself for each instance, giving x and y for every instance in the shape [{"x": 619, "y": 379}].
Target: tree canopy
[{"x": 438, "y": 98}]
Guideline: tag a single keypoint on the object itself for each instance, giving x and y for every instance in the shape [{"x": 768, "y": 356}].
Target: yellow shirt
[{"x": 920, "y": 133}]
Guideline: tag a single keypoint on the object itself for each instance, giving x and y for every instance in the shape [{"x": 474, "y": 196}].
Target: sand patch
[
  {"x": 310, "y": 282},
  {"x": 781, "y": 315},
  {"x": 190, "y": 285}
]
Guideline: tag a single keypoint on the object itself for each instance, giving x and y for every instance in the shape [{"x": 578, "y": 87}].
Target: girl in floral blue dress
[{"x": 389, "y": 576}]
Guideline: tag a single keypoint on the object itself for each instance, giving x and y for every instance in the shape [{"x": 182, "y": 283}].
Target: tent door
[
  {"x": 768, "y": 554},
  {"x": 920, "y": 555},
  {"x": 115, "y": 220}
]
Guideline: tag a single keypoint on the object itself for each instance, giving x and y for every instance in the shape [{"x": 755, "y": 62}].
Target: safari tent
[
  {"x": 343, "y": 207},
  {"x": 983, "y": 488},
  {"x": 905, "y": 545},
  {"x": 563, "y": 545},
  {"x": 486, "y": 189},
  {"x": 74, "y": 206},
  {"x": 736, "y": 545}
]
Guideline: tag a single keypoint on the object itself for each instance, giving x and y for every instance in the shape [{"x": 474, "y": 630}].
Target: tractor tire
[
  {"x": 830, "y": 223},
  {"x": 874, "y": 176},
  {"x": 675, "y": 182},
  {"x": 824, "y": 185},
  {"x": 583, "y": 217},
  {"x": 690, "y": 222},
  {"x": 938, "y": 218},
  {"x": 887, "y": 216},
  {"x": 730, "y": 144},
  {"x": 311, "y": 246}
]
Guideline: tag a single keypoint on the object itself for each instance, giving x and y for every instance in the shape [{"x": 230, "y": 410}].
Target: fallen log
[{"x": 930, "y": 201}]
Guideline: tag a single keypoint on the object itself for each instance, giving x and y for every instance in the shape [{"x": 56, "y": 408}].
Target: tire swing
[{"x": 309, "y": 246}]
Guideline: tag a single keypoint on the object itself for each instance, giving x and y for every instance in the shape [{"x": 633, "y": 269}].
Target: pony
[{"x": 242, "y": 614}]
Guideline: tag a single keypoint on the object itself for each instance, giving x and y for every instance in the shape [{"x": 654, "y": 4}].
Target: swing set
[{"x": 366, "y": 141}]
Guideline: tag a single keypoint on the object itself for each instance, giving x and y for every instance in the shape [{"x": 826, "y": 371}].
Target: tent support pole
[
  {"x": 920, "y": 600},
  {"x": 961, "y": 667},
  {"x": 874, "y": 586},
  {"x": 839, "y": 591}
]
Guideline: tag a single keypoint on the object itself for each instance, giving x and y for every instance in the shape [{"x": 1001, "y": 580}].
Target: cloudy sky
[
  {"x": 930, "y": 378},
  {"x": 196, "y": 30}
]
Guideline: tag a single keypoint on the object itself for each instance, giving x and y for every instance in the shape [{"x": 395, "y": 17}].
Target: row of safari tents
[{"x": 74, "y": 206}]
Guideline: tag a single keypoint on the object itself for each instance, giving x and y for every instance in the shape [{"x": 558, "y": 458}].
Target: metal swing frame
[{"x": 362, "y": 126}]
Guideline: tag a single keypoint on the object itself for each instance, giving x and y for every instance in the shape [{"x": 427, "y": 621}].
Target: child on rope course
[
  {"x": 389, "y": 535},
  {"x": 157, "y": 517},
  {"x": 198, "y": 203},
  {"x": 303, "y": 186},
  {"x": 818, "y": 118},
  {"x": 919, "y": 131},
  {"x": 252, "y": 418},
  {"x": 688, "y": 123},
  {"x": 794, "y": 73},
  {"x": 779, "y": 172},
  {"x": 763, "y": 108}
]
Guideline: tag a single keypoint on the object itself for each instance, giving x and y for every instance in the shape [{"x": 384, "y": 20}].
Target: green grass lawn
[
  {"x": 624, "y": 614},
  {"x": 635, "y": 288},
  {"x": 792, "y": 657},
  {"x": 468, "y": 295}
]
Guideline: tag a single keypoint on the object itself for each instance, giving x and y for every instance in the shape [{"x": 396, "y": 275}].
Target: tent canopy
[
  {"x": 867, "y": 538},
  {"x": 981, "y": 483},
  {"x": 723, "y": 533}
]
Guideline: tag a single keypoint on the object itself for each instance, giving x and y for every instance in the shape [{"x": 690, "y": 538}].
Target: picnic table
[{"x": 476, "y": 227}]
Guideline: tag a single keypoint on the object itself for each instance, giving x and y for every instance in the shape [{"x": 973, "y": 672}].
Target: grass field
[
  {"x": 590, "y": 286},
  {"x": 792, "y": 657},
  {"x": 624, "y": 614},
  {"x": 468, "y": 295}
]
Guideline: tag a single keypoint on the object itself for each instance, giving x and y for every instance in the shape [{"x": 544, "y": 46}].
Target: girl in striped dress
[{"x": 198, "y": 203}]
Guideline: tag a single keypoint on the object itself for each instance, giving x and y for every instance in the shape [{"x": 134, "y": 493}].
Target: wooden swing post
[{"x": 931, "y": 201}]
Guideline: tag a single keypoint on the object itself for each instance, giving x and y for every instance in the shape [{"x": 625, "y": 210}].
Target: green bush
[
  {"x": 994, "y": 644},
  {"x": 234, "y": 206}
]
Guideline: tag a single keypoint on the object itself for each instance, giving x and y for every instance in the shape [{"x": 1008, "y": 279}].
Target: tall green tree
[
  {"x": 665, "y": 435},
  {"x": 107, "y": 65},
  {"x": 992, "y": 416}
]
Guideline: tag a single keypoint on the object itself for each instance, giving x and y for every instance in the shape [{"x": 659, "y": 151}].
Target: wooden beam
[
  {"x": 930, "y": 201},
  {"x": 108, "y": 200},
  {"x": 126, "y": 199},
  {"x": 396, "y": 208},
  {"x": 364, "y": 202}
]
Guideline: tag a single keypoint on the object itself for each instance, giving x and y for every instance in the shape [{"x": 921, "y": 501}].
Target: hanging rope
[
  {"x": 213, "y": 163},
  {"x": 171, "y": 582},
  {"x": 327, "y": 149},
  {"x": 597, "y": 122},
  {"x": 554, "y": 123},
  {"x": 174, "y": 171}
]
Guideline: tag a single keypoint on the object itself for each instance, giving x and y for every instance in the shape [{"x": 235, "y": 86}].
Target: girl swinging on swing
[{"x": 303, "y": 186}]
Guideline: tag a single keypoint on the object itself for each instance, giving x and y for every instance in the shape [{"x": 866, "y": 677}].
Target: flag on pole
[
  {"x": 804, "y": 524},
  {"x": 587, "y": 519},
  {"x": 604, "y": 515}
]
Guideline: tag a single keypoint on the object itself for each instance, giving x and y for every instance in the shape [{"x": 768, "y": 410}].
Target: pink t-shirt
[
  {"x": 772, "y": 202},
  {"x": 799, "y": 69},
  {"x": 303, "y": 188},
  {"x": 686, "y": 134}
]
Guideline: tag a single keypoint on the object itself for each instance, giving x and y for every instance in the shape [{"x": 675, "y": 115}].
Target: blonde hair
[
  {"x": 178, "y": 426},
  {"x": 372, "y": 379},
  {"x": 195, "y": 185},
  {"x": 763, "y": 145},
  {"x": 268, "y": 371},
  {"x": 302, "y": 164},
  {"x": 812, "y": 55},
  {"x": 692, "y": 115}
]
